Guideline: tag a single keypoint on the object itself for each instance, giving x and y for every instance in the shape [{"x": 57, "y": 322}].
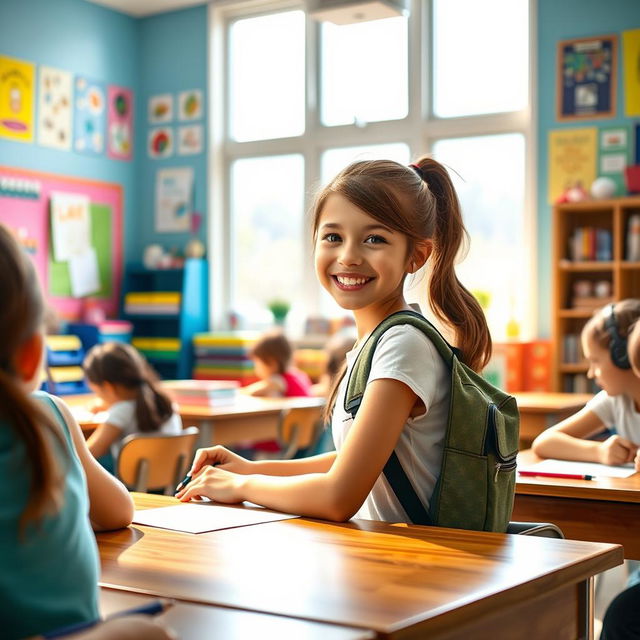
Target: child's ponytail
[
  {"x": 153, "y": 406},
  {"x": 451, "y": 301}
]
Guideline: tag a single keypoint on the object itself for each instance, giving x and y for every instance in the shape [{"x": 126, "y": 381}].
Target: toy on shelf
[{"x": 603, "y": 188}]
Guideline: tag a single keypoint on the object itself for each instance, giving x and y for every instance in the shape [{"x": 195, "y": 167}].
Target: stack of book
[
  {"x": 158, "y": 349},
  {"x": 224, "y": 356},
  {"x": 152, "y": 302},
  {"x": 212, "y": 393},
  {"x": 115, "y": 331}
]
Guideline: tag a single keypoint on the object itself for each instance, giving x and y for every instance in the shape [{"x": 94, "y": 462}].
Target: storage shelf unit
[
  {"x": 623, "y": 276},
  {"x": 173, "y": 332}
]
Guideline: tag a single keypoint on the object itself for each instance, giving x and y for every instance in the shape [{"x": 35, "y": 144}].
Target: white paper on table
[
  {"x": 581, "y": 468},
  {"x": 82, "y": 414},
  {"x": 83, "y": 273},
  {"x": 199, "y": 517}
]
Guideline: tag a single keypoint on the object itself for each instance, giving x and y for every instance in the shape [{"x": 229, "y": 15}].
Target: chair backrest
[
  {"x": 541, "y": 529},
  {"x": 156, "y": 460},
  {"x": 298, "y": 429}
]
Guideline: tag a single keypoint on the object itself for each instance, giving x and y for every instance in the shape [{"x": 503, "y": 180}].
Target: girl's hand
[
  {"x": 214, "y": 483},
  {"x": 636, "y": 461},
  {"x": 221, "y": 457},
  {"x": 617, "y": 450},
  {"x": 97, "y": 405}
]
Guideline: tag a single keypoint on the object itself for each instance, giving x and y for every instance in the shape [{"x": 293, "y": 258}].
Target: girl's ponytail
[
  {"x": 153, "y": 406},
  {"x": 451, "y": 301}
]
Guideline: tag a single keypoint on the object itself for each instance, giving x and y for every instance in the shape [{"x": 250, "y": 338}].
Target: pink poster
[{"x": 120, "y": 122}]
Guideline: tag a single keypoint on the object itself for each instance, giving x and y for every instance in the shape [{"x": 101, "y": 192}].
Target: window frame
[{"x": 420, "y": 129}]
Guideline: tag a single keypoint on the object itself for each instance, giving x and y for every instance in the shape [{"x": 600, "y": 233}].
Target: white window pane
[
  {"x": 364, "y": 72},
  {"x": 267, "y": 218},
  {"x": 481, "y": 61},
  {"x": 489, "y": 175},
  {"x": 333, "y": 161},
  {"x": 266, "y": 77}
]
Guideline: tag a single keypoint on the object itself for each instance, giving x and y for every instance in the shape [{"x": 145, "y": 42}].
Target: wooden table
[
  {"x": 401, "y": 582},
  {"x": 248, "y": 418},
  {"x": 600, "y": 510},
  {"x": 538, "y": 411},
  {"x": 196, "y": 622}
]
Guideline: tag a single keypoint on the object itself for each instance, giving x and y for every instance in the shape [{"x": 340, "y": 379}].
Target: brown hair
[
  {"x": 273, "y": 346},
  {"x": 21, "y": 317},
  {"x": 626, "y": 312},
  {"x": 421, "y": 203},
  {"x": 122, "y": 365}
]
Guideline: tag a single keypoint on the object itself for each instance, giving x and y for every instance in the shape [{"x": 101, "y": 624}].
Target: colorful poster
[
  {"x": 631, "y": 71},
  {"x": 70, "y": 225},
  {"x": 16, "y": 99},
  {"x": 160, "y": 142},
  {"x": 174, "y": 191},
  {"x": 572, "y": 160},
  {"x": 614, "y": 155},
  {"x": 120, "y": 111},
  {"x": 160, "y": 108},
  {"x": 90, "y": 116},
  {"x": 190, "y": 105},
  {"x": 190, "y": 140},
  {"x": 55, "y": 88}
]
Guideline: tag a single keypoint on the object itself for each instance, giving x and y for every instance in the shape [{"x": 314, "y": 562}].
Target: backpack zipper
[{"x": 504, "y": 464}]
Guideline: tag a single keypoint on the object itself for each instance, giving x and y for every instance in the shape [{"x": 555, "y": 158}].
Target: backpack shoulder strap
[{"x": 357, "y": 382}]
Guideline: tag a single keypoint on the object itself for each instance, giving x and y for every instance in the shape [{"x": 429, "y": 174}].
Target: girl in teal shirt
[{"x": 52, "y": 491}]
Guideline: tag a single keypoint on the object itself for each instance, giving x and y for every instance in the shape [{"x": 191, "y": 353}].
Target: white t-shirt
[
  {"x": 617, "y": 412},
  {"x": 404, "y": 353},
  {"x": 123, "y": 415}
]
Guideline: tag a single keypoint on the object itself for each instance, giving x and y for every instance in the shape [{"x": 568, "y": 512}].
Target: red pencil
[{"x": 549, "y": 474}]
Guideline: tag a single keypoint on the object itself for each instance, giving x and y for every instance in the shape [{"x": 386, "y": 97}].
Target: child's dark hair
[
  {"x": 421, "y": 203},
  {"x": 627, "y": 313},
  {"x": 120, "y": 364},
  {"x": 273, "y": 347},
  {"x": 21, "y": 317}
]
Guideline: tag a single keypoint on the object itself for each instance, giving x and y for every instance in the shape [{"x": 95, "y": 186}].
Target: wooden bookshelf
[{"x": 569, "y": 267}]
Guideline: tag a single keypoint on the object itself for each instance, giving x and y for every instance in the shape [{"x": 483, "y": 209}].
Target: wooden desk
[
  {"x": 538, "y": 411},
  {"x": 248, "y": 418},
  {"x": 600, "y": 510},
  {"x": 196, "y": 622},
  {"x": 402, "y": 582}
]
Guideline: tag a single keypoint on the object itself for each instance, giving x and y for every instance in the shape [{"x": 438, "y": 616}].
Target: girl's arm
[
  {"x": 338, "y": 493},
  {"x": 110, "y": 505},
  {"x": 566, "y": 441},
  {"x": 273, "y": 386},
  {"x": 102, "y": 438}
]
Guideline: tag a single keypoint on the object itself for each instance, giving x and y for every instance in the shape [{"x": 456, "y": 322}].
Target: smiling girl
[{"x": 374, "y": 224}]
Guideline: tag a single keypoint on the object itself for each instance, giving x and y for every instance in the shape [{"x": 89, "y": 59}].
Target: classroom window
[
  {"x": 398, "y": 88},
  {"x": 266, "y": 59},
  {"x": 267, "y": 203},
  {"x": 364, "y": 72},
  {"x": 480, "y": 52}
]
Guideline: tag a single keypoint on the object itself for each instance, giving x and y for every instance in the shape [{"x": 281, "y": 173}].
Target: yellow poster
[
  {"x": 572, "y": 160},
  {"x": 16, "y": 99},
  {"x": 631, "y": 71}
]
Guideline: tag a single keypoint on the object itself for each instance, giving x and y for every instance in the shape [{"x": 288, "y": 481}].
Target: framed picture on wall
[{"x": 586, "y": 77}]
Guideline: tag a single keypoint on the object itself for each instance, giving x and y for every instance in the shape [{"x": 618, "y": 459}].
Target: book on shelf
[
  {"x": 152, "y": 302},
  {"x": 591, "y": 243}
]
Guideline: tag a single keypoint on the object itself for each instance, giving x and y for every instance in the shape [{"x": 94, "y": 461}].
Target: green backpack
[{"x": 476, "y": 486}]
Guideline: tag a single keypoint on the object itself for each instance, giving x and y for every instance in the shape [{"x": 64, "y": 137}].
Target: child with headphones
[{"x": 617, "y": 406}]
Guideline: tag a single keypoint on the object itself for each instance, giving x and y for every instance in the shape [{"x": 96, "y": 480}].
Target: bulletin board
[{"x": 24, "y": 207}]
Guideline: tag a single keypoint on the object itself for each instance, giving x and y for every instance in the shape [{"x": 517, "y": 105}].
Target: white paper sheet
[
  {"x": 70, "y": 225},
  {"x": 83, "y": 273},
  {"x": 199, "y": 517},
  {"x": 581, "y": 468}
]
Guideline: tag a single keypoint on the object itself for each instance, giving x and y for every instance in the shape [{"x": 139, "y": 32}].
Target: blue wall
[
  {"x": 85, "y": 39},
  {"x": 559, "y": 21}
]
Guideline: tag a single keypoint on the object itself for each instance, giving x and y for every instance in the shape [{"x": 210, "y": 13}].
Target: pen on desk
[
  {"x": 150, "y": 609},
  {"x": 550, "y": 474},
  {"x": 183, "y": 483}
]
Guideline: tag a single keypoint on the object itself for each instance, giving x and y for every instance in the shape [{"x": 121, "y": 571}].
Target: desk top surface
[
  {"x": 538, "y": 402},
  {"x": 610, "y": 489},
  {"x": 363, "y": 574}
]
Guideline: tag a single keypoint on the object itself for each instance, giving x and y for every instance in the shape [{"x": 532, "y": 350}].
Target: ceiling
[{"x": 141, "y": 8}]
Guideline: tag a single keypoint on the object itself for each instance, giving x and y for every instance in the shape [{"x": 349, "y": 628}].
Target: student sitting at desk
[
  {"x": 374, "y": 224},
  {"x": 617, "y": 406},
  {"x": 52, "y": 491},
  {"x": 128, "y": 390}
]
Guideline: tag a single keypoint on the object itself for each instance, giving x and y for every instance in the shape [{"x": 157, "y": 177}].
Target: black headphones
[{"x": 618, "y": 344}]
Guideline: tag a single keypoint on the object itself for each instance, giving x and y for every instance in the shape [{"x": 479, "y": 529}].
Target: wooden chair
[
  {"x": 152, "y": 461},
  {"x": 298, "y": 429}
]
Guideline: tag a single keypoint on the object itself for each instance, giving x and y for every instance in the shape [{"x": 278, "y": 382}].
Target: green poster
[
  {"x": 614, "y": 154},
  {"x": 101, "y": 237}
]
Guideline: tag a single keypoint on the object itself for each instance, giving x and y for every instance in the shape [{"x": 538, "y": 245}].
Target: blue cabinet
[{"x": 167, "y": 307}]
